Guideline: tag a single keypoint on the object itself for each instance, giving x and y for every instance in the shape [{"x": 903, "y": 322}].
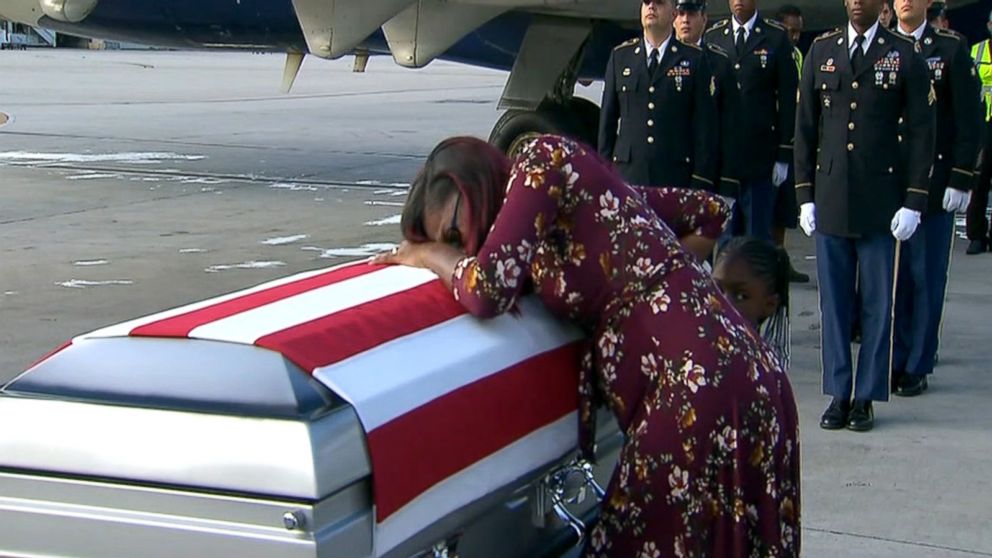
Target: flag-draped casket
[{"x": 353, "y": 411}]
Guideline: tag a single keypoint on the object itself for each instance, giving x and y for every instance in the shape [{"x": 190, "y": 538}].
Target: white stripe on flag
[
  {"x": 532, "y": 452},
  {"x": 250, "y": 325},
  {"x": 397, "y": 377},
  {"x": 125, "y": 328}
]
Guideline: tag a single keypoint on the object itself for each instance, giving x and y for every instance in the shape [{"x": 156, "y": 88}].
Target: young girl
[{"x": 754, "y": 275}]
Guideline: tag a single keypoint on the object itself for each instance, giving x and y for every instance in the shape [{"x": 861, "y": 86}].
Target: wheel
[
  {"x": 586, "y": 114},
  {"x": 515, "y": 127}
]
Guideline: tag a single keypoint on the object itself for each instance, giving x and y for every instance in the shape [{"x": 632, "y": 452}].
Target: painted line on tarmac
[
  {"x": 944, "y": 548},
  {"x": 251, "y": 178},
  {"x": 187, "y": 143}
]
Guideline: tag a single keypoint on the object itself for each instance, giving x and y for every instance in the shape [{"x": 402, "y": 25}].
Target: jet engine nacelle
[{"x": 68, "y": 11}]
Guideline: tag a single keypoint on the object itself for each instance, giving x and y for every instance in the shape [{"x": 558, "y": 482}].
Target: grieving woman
[{"x": 710, "y": 466}]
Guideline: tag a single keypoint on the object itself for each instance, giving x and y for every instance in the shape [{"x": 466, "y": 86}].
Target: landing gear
[{"x": 576, "y": 118}]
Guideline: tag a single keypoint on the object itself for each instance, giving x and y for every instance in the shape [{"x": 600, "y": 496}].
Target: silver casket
[{"x": 346, "y": 412}]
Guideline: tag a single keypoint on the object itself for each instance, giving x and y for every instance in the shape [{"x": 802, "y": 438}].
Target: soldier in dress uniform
[
  {"x": 862, "y": 192},
  {"x": 690, "y": 23},
  {"x": 764, "y": 61},
  {"x": 658, "y": 122},
  {"x": 926, "y": 256}
]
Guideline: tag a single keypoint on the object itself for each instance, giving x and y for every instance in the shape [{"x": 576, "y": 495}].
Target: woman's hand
[
  {"x": 407, "y": 253},
  {"x": 436, "y": 256}
]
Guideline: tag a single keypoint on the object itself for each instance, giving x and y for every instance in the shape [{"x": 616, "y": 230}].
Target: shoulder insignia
[
  {"x": 774, "y": 23},
  {"x": 697, "y": 47},
  {"x": 715, "y": 49},
  {"x": 631, "y": 42},
  {"x": 902, "y": 37},
  {"x": 932, "y": 96},
  {"x": 828, "y": 35},
  {"x": 720, "y": 23},
  {"x": 948, "y": 34}
]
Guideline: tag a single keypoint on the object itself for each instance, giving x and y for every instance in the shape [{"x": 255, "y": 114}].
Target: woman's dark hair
[
  {"x": 770, "y": 265},
  {"x": 462, "y": 164}
]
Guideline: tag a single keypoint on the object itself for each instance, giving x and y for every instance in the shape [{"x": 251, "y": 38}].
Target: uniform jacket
[
  {"x": 849, "y": 158},
  {"x": 728, "y": 102},
  {"x": 660, "y": 131},
  {"x": 766, "y": 71},
  {"x": 959, "y": 113}
]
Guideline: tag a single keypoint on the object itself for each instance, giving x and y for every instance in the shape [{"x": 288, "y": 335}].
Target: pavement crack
[{"x": 919, "y": 544}]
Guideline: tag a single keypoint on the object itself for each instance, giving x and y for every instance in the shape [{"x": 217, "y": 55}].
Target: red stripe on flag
[
  {"x": 182, "y": 324},
  {"x": 333, "y": 338},
  {"x": 419, "y": 449}
]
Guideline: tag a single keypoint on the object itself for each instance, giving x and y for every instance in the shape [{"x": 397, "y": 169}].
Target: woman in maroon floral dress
[{"x": 710, "y": 466}]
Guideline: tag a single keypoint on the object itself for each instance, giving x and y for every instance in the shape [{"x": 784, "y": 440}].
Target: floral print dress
[{"x": 710, "y": 465}]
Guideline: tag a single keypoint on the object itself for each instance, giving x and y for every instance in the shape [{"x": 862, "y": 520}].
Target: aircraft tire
[
  {"x": 586, "y": 113},
  {"x": 515, "y": 127}
]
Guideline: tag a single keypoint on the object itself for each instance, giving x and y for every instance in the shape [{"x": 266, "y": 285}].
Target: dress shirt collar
[
  {"x": 748, "y": 25},
  {"x": 649, "y": 48},
  {"x": 916, "y": 34},
  {"x": 869, "y": 37}
]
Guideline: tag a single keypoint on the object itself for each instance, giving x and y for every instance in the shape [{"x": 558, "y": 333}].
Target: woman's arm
[
  {"x": 490, "y": 282},
  {"x": 696, "y": 217}
]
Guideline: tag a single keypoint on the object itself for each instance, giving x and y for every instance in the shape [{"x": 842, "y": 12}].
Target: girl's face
[{"x": 752, "y": 298}]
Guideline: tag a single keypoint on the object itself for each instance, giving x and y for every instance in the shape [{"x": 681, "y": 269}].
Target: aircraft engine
[{"x": 68, "y": 11}]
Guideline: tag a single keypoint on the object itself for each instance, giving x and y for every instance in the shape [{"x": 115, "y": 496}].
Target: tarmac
[{"x": 132, "y": 182}]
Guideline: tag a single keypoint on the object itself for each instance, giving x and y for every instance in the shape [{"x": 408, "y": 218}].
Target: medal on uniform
[
  {"x": 626, "y": 72},
  {"x": 826, "y": 102},
  {"x": 879, "y": 76},
  {"x": 678, "y": 83},
  {"x": 892, "y": 78}
]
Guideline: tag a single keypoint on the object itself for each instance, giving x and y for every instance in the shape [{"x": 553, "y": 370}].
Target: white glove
[
  {"x": 955, "y": 200},
  {"x": 904, "y": 223},
  {"x": 807, "y": 218},
  {"x": 780, "y": 172}
]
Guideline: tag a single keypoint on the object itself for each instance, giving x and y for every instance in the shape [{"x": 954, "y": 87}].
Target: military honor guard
[
  {"x": 764, "y": 62},
  {"x": 925, "y": 257},
  {"x": 862, "y": 191},
  {"x": 690, "y": 23},
  {"x": 658, "y": 122}
]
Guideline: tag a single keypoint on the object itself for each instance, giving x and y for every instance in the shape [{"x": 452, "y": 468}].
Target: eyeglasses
[{"x": 453, "y": 235}]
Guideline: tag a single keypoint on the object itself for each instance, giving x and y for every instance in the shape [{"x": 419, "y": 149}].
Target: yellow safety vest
[{"x": 981, "y": 53}]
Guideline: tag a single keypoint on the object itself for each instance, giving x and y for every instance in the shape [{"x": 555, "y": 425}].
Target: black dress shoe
[
  {"x": 862, "y": 416},
  {"x": 911, "y": 385},
  {"x": 835, "y": 417},
  {"x": 896, "y": 379},
  {"x": 977, "y": 247}
]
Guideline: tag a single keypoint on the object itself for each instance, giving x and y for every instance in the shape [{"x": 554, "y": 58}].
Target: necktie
[
  {"x": 653, "y": 64},
  {"x": 858, "y": 56},
  {"x": 739, "y": 44}
]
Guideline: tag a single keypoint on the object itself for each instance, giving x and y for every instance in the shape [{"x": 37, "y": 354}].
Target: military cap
[{"x": 690, "y": 5}]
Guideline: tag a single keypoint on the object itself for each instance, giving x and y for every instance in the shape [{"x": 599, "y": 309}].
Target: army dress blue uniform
[
  {"x": 765, "y": 67},
  {"x": 728, "y": 107},
  {"x": 850, "y": 163},
  {"x": 659, "y": 129},
  {"x": 925, "y": 257}
]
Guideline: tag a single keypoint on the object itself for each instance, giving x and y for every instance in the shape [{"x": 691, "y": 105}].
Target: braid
[{"x": 771, "y": 266}]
